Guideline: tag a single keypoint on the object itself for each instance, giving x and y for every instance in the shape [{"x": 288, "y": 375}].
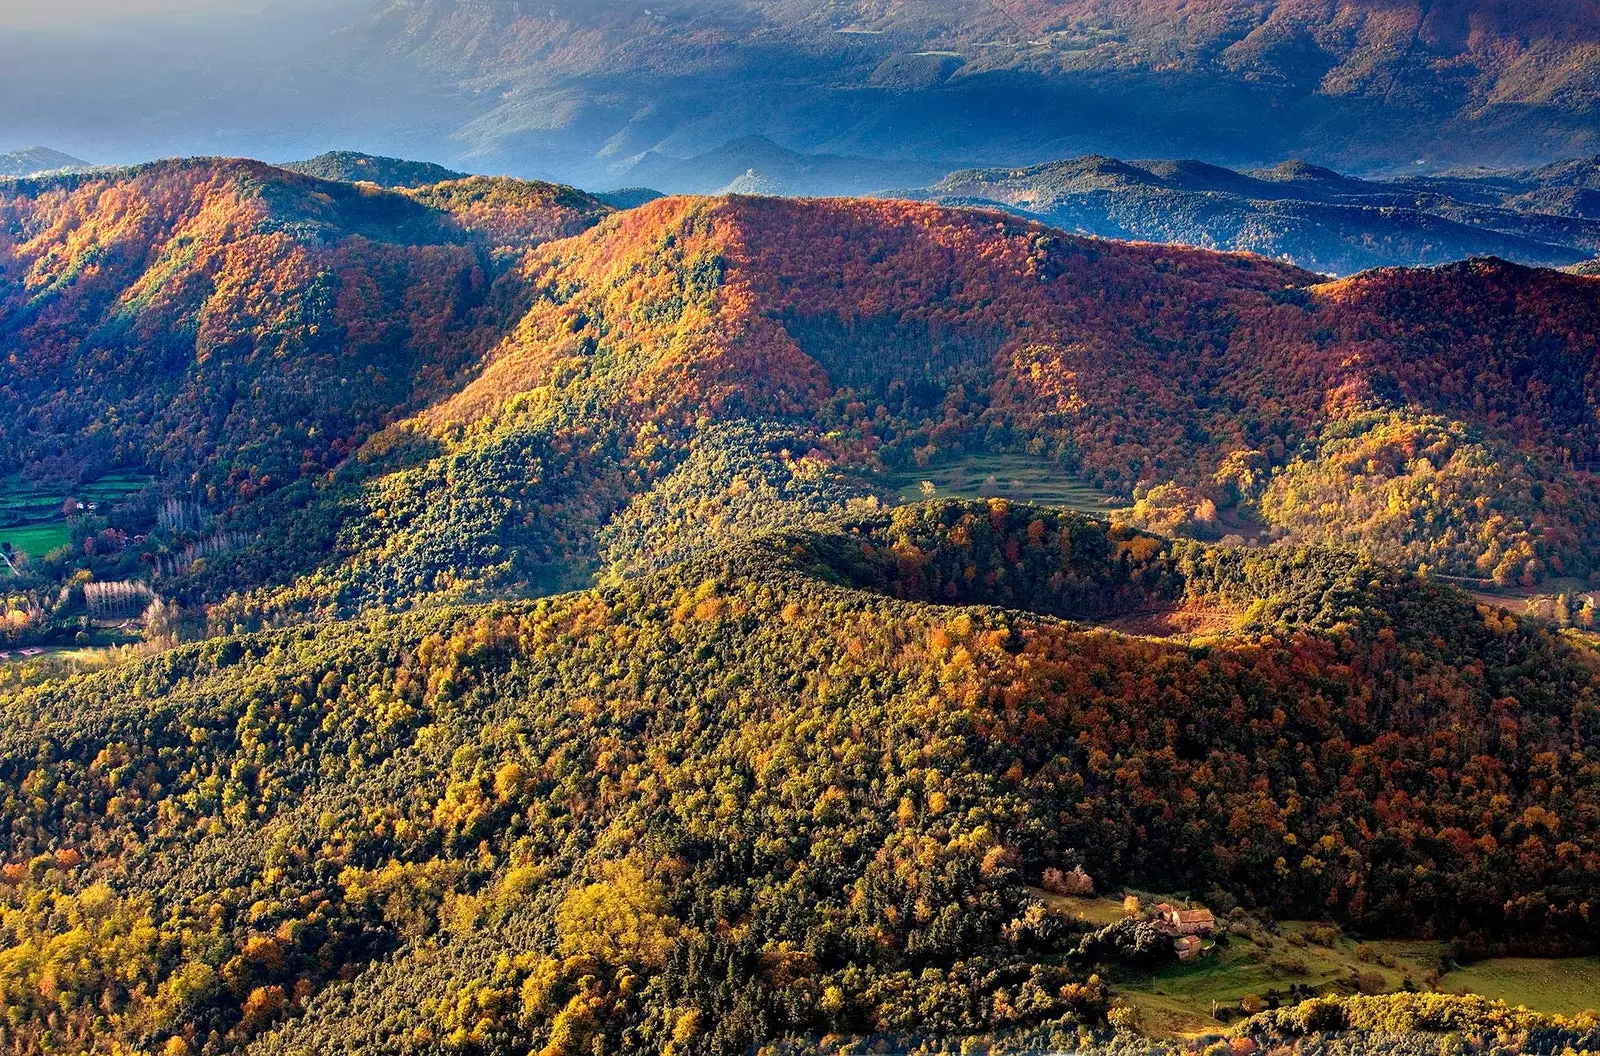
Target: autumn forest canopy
[
  {"x": 497, "y": 385},
  {"x": 476, "y": 616}
]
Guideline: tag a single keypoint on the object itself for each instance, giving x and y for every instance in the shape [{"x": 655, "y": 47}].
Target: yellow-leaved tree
[{"x": 618, "y": 920}]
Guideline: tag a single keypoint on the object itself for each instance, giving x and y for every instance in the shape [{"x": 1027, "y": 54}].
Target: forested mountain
[
  {"x": 786, "y": 764},
  {"x": 1061, "y": 606},
  {"x": 1565, "y": 187},
  {"x": 455, "y": 408},
  {"x": 354, "y": 167},
  {"x": 705, "y": 366},
  {"x": 31, "y": 161},
  {"x": 1307, "y": 215},
  {"x": 792, "y": 789},
  {"x": 1363, "y": 84},
  {"x": 238, "y": 324}
]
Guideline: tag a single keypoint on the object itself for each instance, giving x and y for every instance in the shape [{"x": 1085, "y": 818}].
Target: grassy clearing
[
  {"x": 1195, "y": 618},
  {"x": 37, "y": 540},
  {"x": 1096, "y": 911},
  {"x": 1023, "y": 478},
  {"x": 1251, "y": 962},
  {"x": 30, "y": 514},
  {"x": 1165, "y": 1017},
  {"x": 1561, "y": 986},
  {"x": 1255, "y": 962}
]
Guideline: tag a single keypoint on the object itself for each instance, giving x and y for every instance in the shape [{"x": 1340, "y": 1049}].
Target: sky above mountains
[
  {"x": 119, "y": 83},
  {"x": 76, "y": 16}
]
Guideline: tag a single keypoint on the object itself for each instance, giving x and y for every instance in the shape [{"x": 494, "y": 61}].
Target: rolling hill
[
  {"x": 710, "y": 366},
  {"x": 353, "y": 167},
  {"x": 1564, "y": 188},
  {"x": 461, "y": 407},
  {"x": 238, "y": 323}
]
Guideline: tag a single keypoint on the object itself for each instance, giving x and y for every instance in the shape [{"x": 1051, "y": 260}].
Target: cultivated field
[
  {"x": 31, "y": 517},
  {"x": 1008, "y": 476}
]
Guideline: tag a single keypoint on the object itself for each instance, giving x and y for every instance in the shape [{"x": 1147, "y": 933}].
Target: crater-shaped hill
[
  {"x": 242, "y": 323},
  {"x": 487, "y": 385},
  {"x": 797, "y": 787},
  {"x": 698, "y": 368}
]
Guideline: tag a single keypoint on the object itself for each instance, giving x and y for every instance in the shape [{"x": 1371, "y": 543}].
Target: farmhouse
[
  {"x": 1186, "y": 921},
  {"x": 1188, "y": 947}
]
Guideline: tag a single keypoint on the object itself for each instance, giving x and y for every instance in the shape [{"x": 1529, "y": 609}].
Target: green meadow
[
  {"x": 1564, "y": 986},
  {"x": 31, "y": 517},
  {"x": 1253, "y": 961}
]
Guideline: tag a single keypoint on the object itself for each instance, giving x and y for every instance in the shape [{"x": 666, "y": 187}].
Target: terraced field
[{"x": 1008, "y": 476}]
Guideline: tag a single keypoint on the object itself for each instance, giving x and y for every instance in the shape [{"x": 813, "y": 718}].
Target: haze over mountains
[
  {"x": 581, "y": 90},
  {"x": 32, "y": 161},
  {"x": 1358, "y": 83},
  {"x": 1312, "y": 217},
  {"x": 1309, "y": 215}
]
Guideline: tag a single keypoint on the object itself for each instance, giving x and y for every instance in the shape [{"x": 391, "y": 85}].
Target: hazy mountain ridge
[
  {"x": 582, "y": 92},
  {"x": 1311, "y": 216},
  {"x": 354, "y": 167},
  {"x": 756, "y": 165},
  {"x": 34, "y": 161},
  {"x": 1308, "y": 215},
  {"x": 1355, "y": 83}
]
